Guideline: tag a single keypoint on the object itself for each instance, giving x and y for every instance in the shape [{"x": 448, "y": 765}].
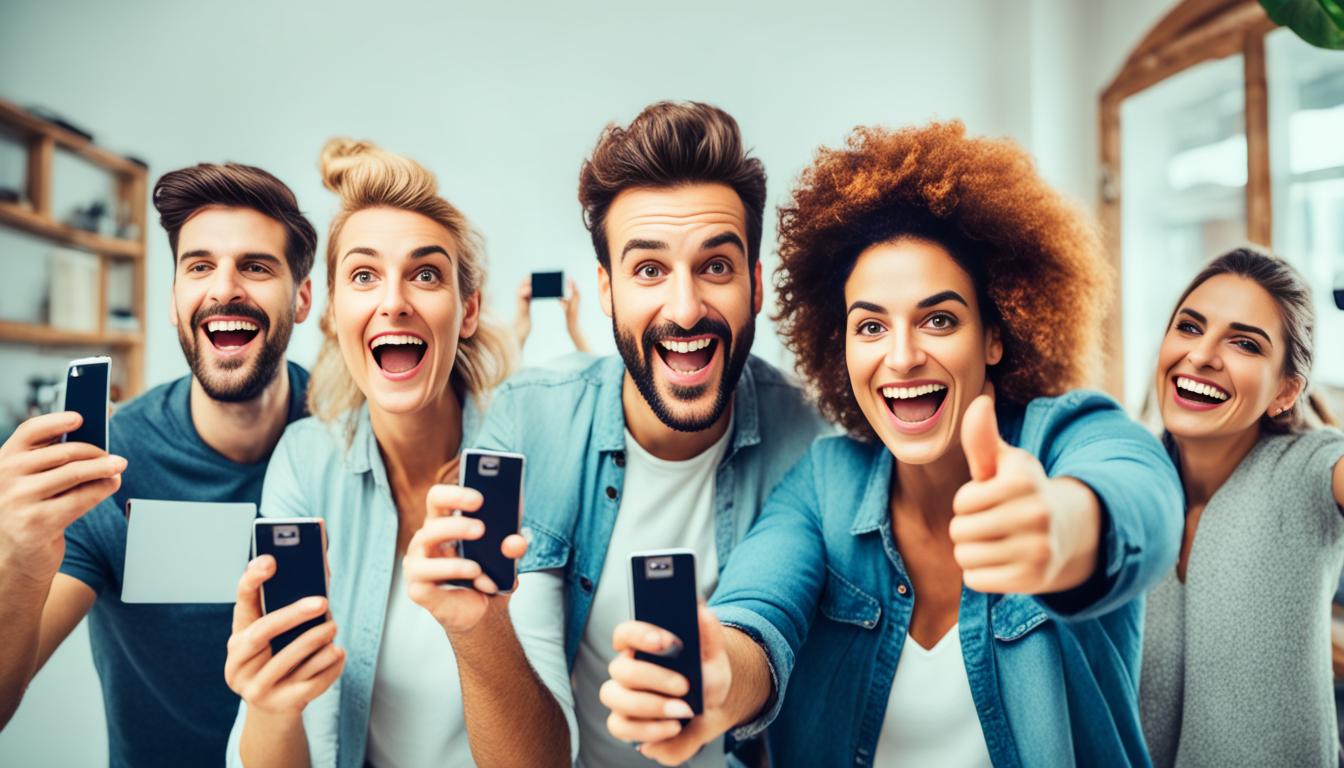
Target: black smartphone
[
  {"x": 299, "y": 546},
  {"x": 499, "y": 478},
  {"x": 86, "y": 391},
  {"x": 548, "y": 285},
  {"x": 663, "y": 593}
]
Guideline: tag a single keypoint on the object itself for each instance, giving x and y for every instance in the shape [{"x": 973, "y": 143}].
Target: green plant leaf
[{"x": 1319, "y": 22}]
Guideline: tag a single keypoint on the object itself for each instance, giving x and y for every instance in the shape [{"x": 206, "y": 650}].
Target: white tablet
[{"x": 185, "y": 551}]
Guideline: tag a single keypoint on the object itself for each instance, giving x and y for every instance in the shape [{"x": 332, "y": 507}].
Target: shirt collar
[{"x": 873, "y": 509}]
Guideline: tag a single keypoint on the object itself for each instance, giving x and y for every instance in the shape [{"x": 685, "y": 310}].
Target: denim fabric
[
  {"x": 820, "y": 585},
  {"x": 570, "y": 423}
]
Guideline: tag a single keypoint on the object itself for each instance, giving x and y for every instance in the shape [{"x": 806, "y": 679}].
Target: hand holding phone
[
  {"x": 650, "y": 700},
  {"x": 45, "y": 486},
  {"x": 440, "y": 576},
  {"x": 282, "y": 653}
]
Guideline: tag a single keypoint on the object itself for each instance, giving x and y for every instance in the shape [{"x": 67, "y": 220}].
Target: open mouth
[
  {"x": 397, "y": 352},
  {"x": 230, "y": 335},
  {"x": 687, "y": 356},
  {"x": 1199, "y": 392},
  {"x": 916, "y": 404}
]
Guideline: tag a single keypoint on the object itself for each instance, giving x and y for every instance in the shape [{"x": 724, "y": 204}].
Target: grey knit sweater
[{"x": 1236, "y": 661}]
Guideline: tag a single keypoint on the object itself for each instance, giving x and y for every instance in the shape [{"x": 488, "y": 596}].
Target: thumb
[
  {"x": 711, "y": 635},
  {"x": 980, "y": 438}
]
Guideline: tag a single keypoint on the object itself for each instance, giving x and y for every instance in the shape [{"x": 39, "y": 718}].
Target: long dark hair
[{"x": 1293, "y": 297}]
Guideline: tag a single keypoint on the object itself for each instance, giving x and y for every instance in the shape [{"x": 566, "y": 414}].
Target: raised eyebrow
[
  {"x": 196, "y": 254},
  {"x": 866, "y": 306},
  {"x": 642, "y": 245},
  {"x": 724, "y": 238},
  {"x": 361, "y": 250},
  {"x": 429, "y": 250},
  {"x": 262, "y": 256},
  {"x": 939, "y": 298}
]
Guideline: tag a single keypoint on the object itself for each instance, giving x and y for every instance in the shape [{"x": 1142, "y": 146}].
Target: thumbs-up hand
[{"x": 1015, "y": 529}]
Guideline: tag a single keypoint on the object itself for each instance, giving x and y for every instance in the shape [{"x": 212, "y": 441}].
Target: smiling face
[
  {"x": 916, "y": 348},
  {"x": 1220, "y": 367},
  {"x": 396, "y": 309},
  {"x": 234, "y": 300},
  {"x": 682, "y": 297}
]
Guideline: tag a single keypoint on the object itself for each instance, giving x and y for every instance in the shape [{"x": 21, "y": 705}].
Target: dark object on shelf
[
  {"x": 8, "y": 195},
  {"x": 42, "y": 113},
  {"x": 89, "y": 219},
  {"x": 138, "y": 161}
]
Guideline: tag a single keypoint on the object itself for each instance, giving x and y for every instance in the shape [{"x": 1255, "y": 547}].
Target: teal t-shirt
[{"x": 162, "y": 666}]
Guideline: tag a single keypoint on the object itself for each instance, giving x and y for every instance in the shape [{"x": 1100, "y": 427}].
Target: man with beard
[
  {"x": 677, "y": 441},
  {"x": 242, "y": 251}
]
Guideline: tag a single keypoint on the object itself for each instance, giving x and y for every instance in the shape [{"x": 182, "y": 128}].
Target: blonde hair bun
[{"x": 355, "y": 169}]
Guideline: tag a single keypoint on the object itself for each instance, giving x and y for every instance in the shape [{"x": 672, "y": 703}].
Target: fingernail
[
  {"x": 312, "y": 603},
  {"x": 672, "y": 646},
  {"x": 678, "y": 710},
  {"x": 118, "y": 463}
]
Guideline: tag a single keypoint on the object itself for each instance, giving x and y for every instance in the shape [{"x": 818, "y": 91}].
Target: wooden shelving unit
[{"x": 34, "y": 216}]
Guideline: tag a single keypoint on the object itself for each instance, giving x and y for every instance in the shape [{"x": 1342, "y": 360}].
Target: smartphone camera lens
[
  {"x": 76, "y": 372},
  {"x": 658, "y": 568},
  {"x": 285, "y": 535},
  {"x": 489, "y": 466}
]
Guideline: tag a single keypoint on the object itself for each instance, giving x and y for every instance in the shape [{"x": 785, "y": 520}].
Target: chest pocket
[
  {"x": 843, "y": 601},
  {"x": 546, "y": 549},
  {"x": 1013, "y": 616}
]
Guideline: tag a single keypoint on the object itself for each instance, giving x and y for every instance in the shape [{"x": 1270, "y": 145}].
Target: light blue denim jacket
[
  {"x": 570, "y": 423},
  {"x": 820, "y": 584},
  {"x": 315, "y": 473}
]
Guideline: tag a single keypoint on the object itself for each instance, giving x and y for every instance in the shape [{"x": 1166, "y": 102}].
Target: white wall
[{"x": 503, "y": 100}]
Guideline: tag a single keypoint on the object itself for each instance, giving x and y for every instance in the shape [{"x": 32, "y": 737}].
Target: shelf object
[{"x": 34, "y": 216}]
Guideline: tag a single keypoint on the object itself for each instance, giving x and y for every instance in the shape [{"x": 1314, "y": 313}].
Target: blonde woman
[{"x": 403, "y": 672}]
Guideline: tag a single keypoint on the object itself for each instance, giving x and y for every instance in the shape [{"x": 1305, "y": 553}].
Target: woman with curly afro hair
[{"x": 954, "y": 582}]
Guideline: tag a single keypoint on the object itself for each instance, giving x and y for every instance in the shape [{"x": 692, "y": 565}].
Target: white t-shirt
[
  {"x": 416, "y": 716},
  {"x": 664, "y": 504},
  {"x": 931, "y": 718}
]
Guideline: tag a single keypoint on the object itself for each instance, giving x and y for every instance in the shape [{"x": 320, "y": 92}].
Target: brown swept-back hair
[
  {"x": 670, "y": 144},
  {"x": 1292, "y": 296},
  {"x": 179, "y": 194},
  {"x": 1035, "y": 259},
  {"x": 368, "y": 177}
]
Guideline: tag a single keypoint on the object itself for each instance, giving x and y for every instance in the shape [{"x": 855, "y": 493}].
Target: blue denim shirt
[
  {"x": 570, "y": 423},
  {"x": 820, "y": 584},
  {"x": 323, "y": 470}
]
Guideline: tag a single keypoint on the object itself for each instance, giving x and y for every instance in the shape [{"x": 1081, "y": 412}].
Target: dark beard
[
  {"x": 737, "y": 349},
  {"x": 263, "y": 371}
]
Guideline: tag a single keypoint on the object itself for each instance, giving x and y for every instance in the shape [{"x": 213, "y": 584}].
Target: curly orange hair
[{"x": 1036, "y": 258}]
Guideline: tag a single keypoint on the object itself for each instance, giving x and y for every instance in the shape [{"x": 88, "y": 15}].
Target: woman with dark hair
[
  {"x": 1236, "y": 651},
  {"x": 955, "y": 582}
]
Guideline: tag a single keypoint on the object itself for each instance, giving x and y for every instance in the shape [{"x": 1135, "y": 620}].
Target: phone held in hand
[
  {"x": 498, "y": 477},
  {"x": 299, "y": 546},
  {"x": 87, "y": 387},
  {"x": 662, "y": 593},
  {"x": 548, "y": 285}
]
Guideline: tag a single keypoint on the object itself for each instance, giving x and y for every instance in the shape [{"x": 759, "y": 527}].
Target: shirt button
[
  {"x": 619, "y": 458},
  {"x": 586, "y": 583},
  {"x": 902, "y": 589},
  {"x": 611, "y": 492}
]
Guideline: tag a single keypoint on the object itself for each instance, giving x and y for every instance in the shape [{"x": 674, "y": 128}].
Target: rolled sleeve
[
  {"x": 770, "y": 598},
  {"x": 1142, "y": 504}
]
